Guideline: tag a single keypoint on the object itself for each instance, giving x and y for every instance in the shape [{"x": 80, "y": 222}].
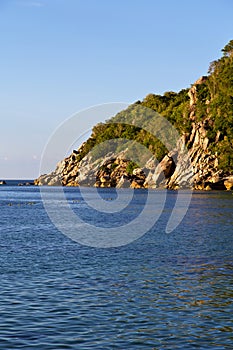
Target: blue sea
[{"x": 161, "y": 291}]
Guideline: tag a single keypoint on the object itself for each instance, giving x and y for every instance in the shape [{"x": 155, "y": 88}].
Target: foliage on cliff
[
  {"x": 214, "y": 105},
  {"x": 215, "y": 102}
]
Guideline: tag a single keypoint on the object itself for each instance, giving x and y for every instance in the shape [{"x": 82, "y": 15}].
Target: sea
[{"x": 163, "y": 290}]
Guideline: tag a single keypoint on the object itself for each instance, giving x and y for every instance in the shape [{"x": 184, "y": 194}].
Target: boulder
[
  {"x": 123, "y": 182},
  {"x": 163, "y": 171},
  {"x": 135, "y": 184},
  {"x": 228, "y": 183}
]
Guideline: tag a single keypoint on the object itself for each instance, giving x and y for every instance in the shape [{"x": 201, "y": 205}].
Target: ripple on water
[{"x": 160, "y": 292}]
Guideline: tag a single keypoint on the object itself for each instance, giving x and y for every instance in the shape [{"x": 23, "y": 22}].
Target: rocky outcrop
[
  {"x": 193, "y": 95},
  {"x": 111, "y": 171},
  {"x": 228, "y": 183},
  {"x": 116, "y": 173},
  {"x": 159, "y": 174},
  {"x": 204, "y": 164},
  {"x": 190, "y": 164},
  {"x": 25, "y": 183}
]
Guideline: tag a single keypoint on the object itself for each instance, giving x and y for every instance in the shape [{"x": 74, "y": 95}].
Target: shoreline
[{"x": 30, "y": 183}]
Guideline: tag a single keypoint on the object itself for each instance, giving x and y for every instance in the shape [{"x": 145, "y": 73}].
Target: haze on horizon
[{"x": 59, "y": 57}]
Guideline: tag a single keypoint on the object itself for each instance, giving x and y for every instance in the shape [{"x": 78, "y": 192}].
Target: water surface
[{"x": 163, "y": 291}]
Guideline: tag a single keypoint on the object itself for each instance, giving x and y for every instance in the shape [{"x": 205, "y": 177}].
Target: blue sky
[{"x": 61, "y": 56}]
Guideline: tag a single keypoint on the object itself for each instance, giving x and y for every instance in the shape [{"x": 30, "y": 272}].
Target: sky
[{"x": 62, "y": 56}]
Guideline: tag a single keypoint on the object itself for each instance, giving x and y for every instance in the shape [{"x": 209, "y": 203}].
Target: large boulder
[
  {"x": 228, "y": 183},
  {"x": 160, "y": 173}
]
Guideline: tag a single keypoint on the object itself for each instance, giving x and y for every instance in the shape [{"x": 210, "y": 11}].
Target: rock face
[
  {"x": 160, "y": 174},
  {"x": 111, "y": 171},
  {"x": 228, "y": 183},
  {"x": 190, "y": 165}
]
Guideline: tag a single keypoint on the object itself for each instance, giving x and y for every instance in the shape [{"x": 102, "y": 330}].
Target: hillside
[{"x": 203, "y": 116}]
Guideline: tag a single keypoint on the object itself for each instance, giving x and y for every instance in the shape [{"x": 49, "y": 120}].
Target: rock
[
  {"x": 138, "y": 172},
  {"x": 42, "y": 180},
  {"x": 55, "y": 181},
  {"x": 25, "y": 184},
  {"x": 163, "y": 171},
  {"x": 201, "y": 80},
  {"x": 72, "y": 183},
  {"x": 123, "y": 182},
  {"x": 167, "y": 165},
  {"x": 135, "y": 184},
  {"x": 192, "y": 93},
  {"x": 218, "y": 186},
  {"x": 205, "y": 143},
  {"x": 218, "y": 135},
  {"x": 2, "y": 182},
  {"x": 104, "y": 178},
  {"x": 192, "y": 96},
  {"x": 228, "y": 183}
]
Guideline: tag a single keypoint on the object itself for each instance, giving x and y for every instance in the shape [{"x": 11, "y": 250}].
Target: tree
[{"x": 228, "y": 49}]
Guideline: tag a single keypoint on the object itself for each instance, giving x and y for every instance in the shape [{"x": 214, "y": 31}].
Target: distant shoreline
[{"x": 16, "y": 182}]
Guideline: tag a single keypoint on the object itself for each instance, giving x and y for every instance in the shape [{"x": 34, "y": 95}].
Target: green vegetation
[
  {"x": 214, "y": 106},
  {"x": 216, "y": 103},
  {"x": 130, "y": 167}
]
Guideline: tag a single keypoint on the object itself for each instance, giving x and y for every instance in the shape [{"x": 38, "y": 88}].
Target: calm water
[{"x": 163, "y": 291}]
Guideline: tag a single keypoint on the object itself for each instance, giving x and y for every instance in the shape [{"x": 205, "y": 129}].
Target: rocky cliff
[
  {"x": 204, "y": 116},
  {"x": 115, "y": 170}
]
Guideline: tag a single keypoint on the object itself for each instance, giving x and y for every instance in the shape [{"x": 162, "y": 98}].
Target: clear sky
[{"x": 61, "y": 56}]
